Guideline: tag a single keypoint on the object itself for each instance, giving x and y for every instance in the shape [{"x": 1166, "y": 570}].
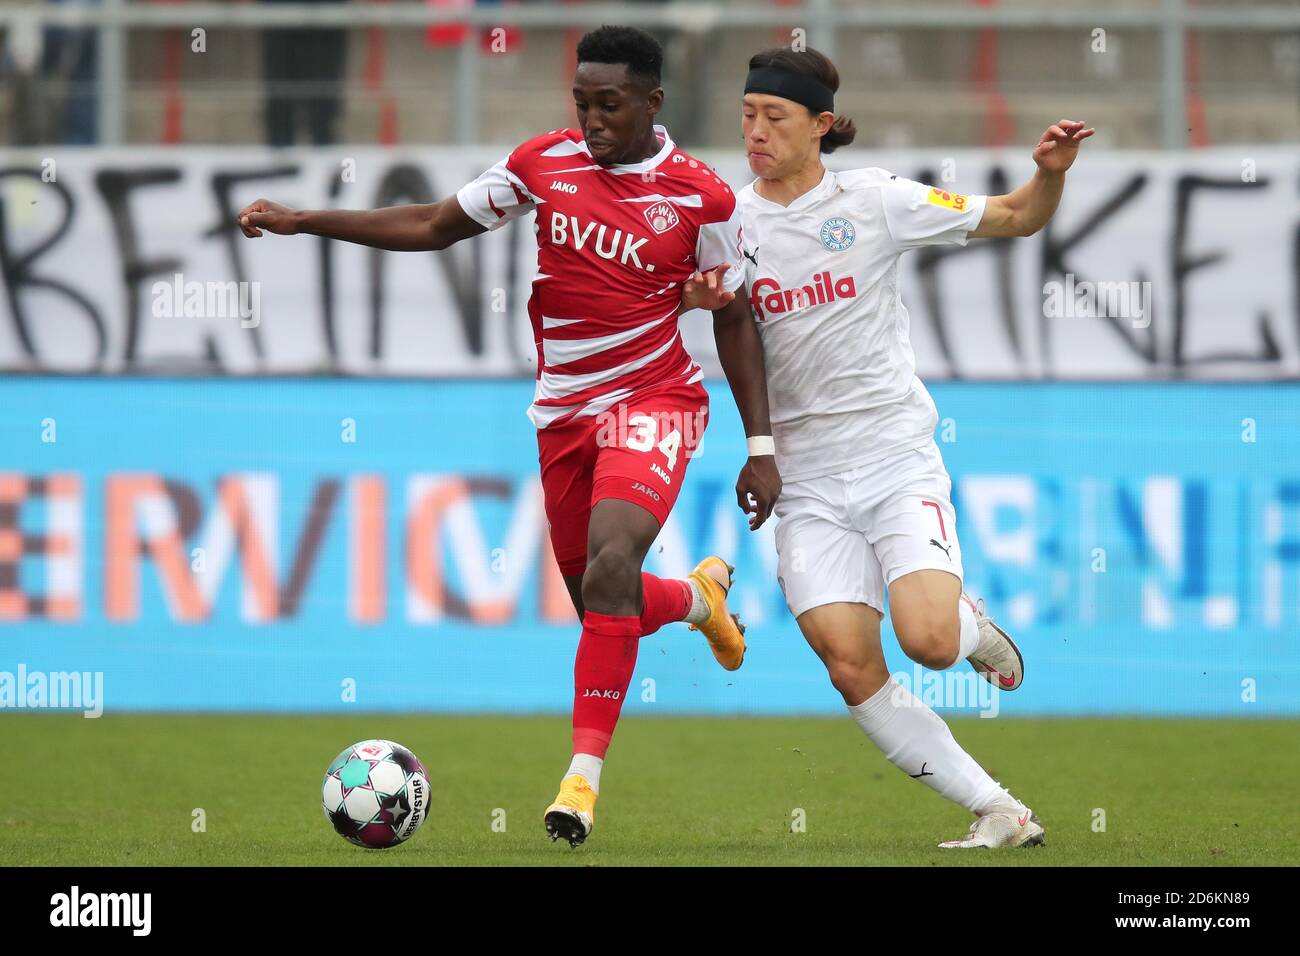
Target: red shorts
[{"x": 636, "y": 451}]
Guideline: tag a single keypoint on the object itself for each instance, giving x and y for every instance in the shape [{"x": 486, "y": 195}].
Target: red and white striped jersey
[{"x": 614, "y": 245}]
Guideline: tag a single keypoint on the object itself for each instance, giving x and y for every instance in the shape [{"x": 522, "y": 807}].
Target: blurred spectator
[
  {"x": 303, "y": 70},
  {"x": 18, "y": 58},
  {"x": 52, "y": 75},
  {"x": 71, "y": 62}
]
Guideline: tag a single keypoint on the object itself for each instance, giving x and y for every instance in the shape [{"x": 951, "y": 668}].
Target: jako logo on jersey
[
  {"x": 610, "y": 694},
  {"x": 638, "y": 486},
  {"x": 837, "y": 234},
  {"x": 662, "y": 217},
  {"x": 569, "y": 188},
  {"x": 567, "y": 230},
  {"x": 768, "y": 298}
]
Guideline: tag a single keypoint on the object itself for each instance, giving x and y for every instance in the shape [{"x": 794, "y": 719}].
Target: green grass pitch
[{"x": 121, "y": 790}]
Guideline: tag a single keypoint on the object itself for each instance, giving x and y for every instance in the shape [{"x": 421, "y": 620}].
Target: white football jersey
[{"x": 822, "y": 275}]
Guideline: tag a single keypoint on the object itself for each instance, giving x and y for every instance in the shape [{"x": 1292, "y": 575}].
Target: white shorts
[{"x": 848, "y": 536}]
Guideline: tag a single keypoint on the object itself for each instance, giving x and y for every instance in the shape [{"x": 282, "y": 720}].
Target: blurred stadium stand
[{"x": 951, "y": 73}]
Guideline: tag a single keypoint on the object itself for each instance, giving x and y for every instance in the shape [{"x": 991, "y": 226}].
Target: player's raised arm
[
  {"x": 491, "y": 200},
  {"x": 410, "y": 228},
  {"x": 1026, "y": 210}
]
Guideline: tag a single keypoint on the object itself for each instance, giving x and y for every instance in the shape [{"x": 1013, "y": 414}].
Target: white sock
[
  {"x": 699, "y": 612},
  {"x": 589, "y": 766},
  {"x": 969, "y": 635},
  {"x": 917, "y": 741}
]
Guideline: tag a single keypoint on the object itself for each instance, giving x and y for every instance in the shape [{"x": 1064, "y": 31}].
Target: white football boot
[
  {"x": 996, "y": 656},
  {"x": 1013, "y": 826}
]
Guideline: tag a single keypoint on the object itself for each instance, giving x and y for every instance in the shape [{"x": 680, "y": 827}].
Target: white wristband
[{"x": 761, "y": 445}]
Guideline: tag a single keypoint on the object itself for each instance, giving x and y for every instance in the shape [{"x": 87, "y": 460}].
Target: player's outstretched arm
[
  {"x": 740, "y": 351},
  {"x": 412, "y": 228},
  {"x": 1027, "y": 209}
]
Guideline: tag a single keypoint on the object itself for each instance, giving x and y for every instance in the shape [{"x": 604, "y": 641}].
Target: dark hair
[
  {"x": 638, "y": 50},
  {"x": 811, "y": 63}
]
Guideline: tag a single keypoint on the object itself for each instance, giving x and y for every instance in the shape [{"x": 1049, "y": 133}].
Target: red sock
[
  {"x": 601, "y": 673},
  {"x": 665, "y": 600}
]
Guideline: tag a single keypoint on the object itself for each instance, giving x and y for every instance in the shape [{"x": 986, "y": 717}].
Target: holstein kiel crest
[
  {"x": 837, "y": 234},
  {"x": 661, "y": 216}
]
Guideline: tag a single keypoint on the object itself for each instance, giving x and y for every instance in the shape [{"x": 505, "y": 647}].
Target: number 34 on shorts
[
  {"x": 643, "y": 436},
  {"x": 663, "y": 435}
]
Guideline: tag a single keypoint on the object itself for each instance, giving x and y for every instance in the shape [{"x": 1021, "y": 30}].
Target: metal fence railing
[{"x": 822, "y": 20}]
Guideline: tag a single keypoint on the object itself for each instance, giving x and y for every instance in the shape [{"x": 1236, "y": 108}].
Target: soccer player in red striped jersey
[{"x": 624, "y": 219}]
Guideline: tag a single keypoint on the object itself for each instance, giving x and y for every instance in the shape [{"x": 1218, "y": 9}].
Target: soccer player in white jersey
[{"x": 865, "y": 506}]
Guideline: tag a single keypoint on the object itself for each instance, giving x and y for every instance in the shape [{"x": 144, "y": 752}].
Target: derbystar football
[{"x": 376, "y": 794}]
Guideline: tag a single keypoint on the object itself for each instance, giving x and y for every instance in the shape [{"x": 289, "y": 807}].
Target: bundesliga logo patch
[
  {"x": 661, "y": 217},
  {"x": 954, "y": 201},
  {"x": 837, "y": 234}
]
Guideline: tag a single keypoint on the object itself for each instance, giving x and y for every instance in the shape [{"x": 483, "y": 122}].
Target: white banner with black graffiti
[{"x": 1155, "y": 266}]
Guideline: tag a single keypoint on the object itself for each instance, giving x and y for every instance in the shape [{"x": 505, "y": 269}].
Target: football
[{"x": 376, "y": 794}]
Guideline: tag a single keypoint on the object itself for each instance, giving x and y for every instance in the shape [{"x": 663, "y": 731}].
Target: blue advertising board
[{"x": 319, "y": 545}]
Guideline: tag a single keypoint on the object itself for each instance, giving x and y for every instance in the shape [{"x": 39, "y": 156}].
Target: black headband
[{"x": 812, "y": 93}]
